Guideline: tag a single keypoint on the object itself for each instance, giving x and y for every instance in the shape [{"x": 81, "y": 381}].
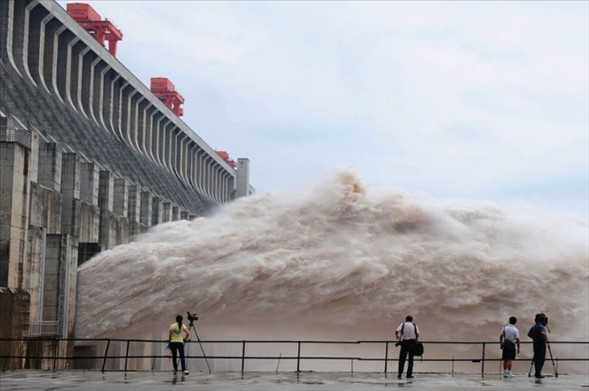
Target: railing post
[
  {"x": 298, "y": 357},
  {"x": 126, "y": 355},
  {"x": 105, "y": 353},
  {"x": 55, "y": 352},
  {"x": 386, "y": 358},
  {"x": 242, "y": 358},
  {"x": 483, "y": 362}
]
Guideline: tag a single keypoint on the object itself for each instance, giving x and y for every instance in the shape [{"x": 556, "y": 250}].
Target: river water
[{"x": 343, "y": 261}]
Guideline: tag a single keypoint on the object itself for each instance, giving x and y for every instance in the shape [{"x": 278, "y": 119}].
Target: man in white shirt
[
  {"x": 407, "y": 334},
  {"x": 509, "y": 341}
]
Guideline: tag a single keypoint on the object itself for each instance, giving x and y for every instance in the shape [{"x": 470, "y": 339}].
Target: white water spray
[{"x": 340, "y": 263}]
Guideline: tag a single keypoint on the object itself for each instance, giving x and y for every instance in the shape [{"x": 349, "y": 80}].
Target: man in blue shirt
[{"x": 539, "y": 335}]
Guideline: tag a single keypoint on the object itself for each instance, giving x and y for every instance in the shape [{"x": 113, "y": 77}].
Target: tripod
[
  {"x": 192, "y": 318},
  {"x": 554, "y": 366}
]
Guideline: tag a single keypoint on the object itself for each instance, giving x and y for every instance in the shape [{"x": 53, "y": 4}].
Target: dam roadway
[{"x": 94, "y": 381}]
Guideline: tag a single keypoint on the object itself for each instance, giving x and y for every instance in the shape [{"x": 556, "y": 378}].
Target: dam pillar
[
  {"x": 145, "y": 210},
  {"x": 88, "y": 245},
  {"x": 243, "y": 177},
  {"x": 175, "y": 214},
  {"x": 156, "y": 211},
  {"x": 59, "y": 293},
  {"x": 89, "y": 212},
  {"x": 134, "y": 209},
  {"x": 44, "y": 218},
  {"x": 183, "y": 215},
  {"x": 166, "y": 211},
  {"x": 34, "y": 269},
  {"x": 15, "y": 317},
  {"x": 70, "y": 190},
  {"x": 49, "y": 171},
  {"x": 107, "y": 229},
  {"x": 120, "y": 197},
  {"x": 49, "y": 179},
  {"x": 15, "y": 150},
  {"x": 120, "y": 210}
]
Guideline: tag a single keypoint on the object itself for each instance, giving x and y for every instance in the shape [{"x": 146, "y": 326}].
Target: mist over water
[{"x": 342, "y": 262}]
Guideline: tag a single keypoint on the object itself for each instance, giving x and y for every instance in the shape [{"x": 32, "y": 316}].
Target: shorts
[{"x": 508, "y": 350}]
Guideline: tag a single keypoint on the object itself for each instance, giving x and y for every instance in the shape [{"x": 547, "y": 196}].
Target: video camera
[{"x": 191, "y": 317}]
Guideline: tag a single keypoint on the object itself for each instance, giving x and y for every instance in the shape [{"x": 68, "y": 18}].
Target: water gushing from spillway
[{"x": 340, "y": 262}]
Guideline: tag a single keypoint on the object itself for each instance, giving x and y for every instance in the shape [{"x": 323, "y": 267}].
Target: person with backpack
[
  {"x": 407, "y": 334},
  {"x": 177, "y": 334},
  {"x": 509, "y": 342},
  {"x": 539, "y": 334}
]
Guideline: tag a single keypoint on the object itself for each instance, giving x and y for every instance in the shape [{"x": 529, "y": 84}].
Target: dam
[
  {"x": 90, "y": 157},
  {"x": 115, "y": 216}
]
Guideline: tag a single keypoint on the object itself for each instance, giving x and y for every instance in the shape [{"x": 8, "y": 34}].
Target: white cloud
[{"x": 453, "y": 98}]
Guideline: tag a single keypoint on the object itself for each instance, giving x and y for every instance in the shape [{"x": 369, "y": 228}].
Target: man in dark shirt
[{"x": 539, "y": 335}]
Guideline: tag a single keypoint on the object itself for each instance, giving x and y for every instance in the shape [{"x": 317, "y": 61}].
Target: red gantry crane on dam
[{"x": 102, "y": 29}]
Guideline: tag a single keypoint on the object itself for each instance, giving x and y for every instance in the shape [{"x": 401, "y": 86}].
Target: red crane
[
  {"x": 164, "y": 89},
  {"x": 225, "y": 156},
  {"x": 102, "y": 30}
]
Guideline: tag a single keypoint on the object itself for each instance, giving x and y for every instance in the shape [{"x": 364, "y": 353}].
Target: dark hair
[
  {"x": 512, "y": 320},
  {"x": 179, "y": 320},
  {"x": 538, "y": 317},
  {"x": 409, "y": 318},
  {"x": 541, "y": 318}
]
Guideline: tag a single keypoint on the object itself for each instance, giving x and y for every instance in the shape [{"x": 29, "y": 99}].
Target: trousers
[
  {"x": 178, "y": 347},
  {"x": 407, "y": 349},
  {"x": 539, "y": 356}
]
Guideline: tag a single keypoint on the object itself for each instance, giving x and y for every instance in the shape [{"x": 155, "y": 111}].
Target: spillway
[{"x": 342, "y": 261}]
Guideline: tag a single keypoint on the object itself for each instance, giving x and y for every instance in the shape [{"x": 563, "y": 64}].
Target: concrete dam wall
[{"x": 89, "y": 158}]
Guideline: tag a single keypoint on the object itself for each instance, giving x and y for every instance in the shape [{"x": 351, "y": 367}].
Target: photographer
[
  {"x": 177, "y": 334},
  {"x": 407, "y": 334},
  {"x": 539, "y": 335}
]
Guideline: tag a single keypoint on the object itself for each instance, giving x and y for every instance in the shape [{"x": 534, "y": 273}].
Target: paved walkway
[{"x": 96, "y": 381}]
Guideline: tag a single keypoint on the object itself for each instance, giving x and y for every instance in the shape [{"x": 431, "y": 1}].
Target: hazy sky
[{"x": 484, "y": 100}]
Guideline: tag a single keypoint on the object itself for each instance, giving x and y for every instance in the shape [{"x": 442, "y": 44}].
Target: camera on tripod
[{"x": 191, "y": 317}]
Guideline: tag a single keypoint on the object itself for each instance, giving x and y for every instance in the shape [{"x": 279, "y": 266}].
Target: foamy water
[{"x": 342, "y": 262}]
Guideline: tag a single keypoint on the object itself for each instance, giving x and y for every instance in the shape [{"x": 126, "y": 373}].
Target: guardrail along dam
[{"x": 92, "y": 159}]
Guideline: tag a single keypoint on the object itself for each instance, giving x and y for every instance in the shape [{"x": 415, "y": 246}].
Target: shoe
[
  {"x": 186, "y": 373},
  {"x": 410, "y": 377},
  {"x": 510, "y": 374},
  {"x": 505, "y": 375},
  {"x": 399, "y": 377},
  {"x": 539, "y": 376}
]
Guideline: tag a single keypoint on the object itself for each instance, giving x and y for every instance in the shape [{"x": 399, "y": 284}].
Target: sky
[{"x": 454, "y": 100}]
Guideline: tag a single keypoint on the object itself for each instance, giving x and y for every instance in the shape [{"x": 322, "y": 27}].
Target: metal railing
[{"x": 385, "y": 359}]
